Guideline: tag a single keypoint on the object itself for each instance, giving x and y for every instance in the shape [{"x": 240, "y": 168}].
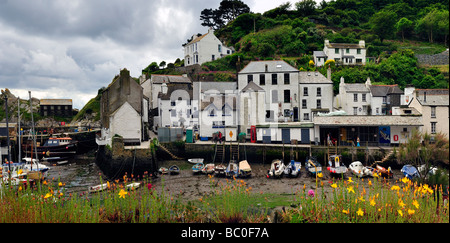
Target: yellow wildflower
[
  {"x": 360, "y": 212},
  {"x": 20, "y": 188},
  {"x": 108, "y": 185},
  {"x": 20, "y": 172},
  {"x": 47, "y": 195},
  {"x": 320, "y": 175},
  {"x": 401, "y": 203},
  {"x": 60, "y": 184},
  {"x": 372, "y": 202},
  {"x": 334, "y": 185},
  {"x": 122, "y": 193},
  {"x": 361, "y": 199},
  {"x": 375, "y": 174},
  {"x": 411, "y": 211},
  {"x": 400, "y": 212},
  {"x": 350, "y": 180},
  {"x": 345, "y": 211},
  {"x": 405, "y": 180},
  {"x": 350, "y": 189},
  {"x": 395, "y": 188},
  {"x": 416, "y": 204},
  {"x": 370, "y": 183}
]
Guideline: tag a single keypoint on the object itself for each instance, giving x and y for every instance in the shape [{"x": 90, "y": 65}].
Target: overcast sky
[{"x": 69, "y": 49}]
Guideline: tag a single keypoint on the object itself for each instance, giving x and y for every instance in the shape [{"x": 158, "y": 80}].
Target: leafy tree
[
  {"x": 383, "y": 23},
  {"x": 227, "y": 11},
  {"x": 404, "y": 25},
  {"x": 306, "y": 7},
  {"x": 443, "y": 24},
  {"x": 162, "y": 64},
  {"x": 429, "y": 24}
]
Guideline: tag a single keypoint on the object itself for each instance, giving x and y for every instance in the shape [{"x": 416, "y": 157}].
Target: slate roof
[
  {"x": 55, "y": 102},
  {"x": 345, "y": 45},
  {"x": 356, "y": 88},
  {"x": 434, "y": 97},
  {"x": 274, "y": 66},
  {"x": 384, "y": 90},
  {"x": 159, "y": 79},
  {"x": 319, "y": 54},
  {"x": 413, "y": 120},
  {"x": 313, "y": 78},
  {"x": 173, "y": 87}
]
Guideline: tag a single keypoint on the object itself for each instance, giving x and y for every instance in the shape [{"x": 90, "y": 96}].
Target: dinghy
[
  {"x": 385, "y": 172},
  {"x": 98, "y": 188},
  {"x": 163, "y": 170},
  {"x": 232, "y": 169},
  {"x": 195, "y": 161},
  {"x": 220, "y": 169},
  {"x": 336, "y": 166},
  {"x": 208, "y": 169},
  {"x": 293, "y": 169},
  {"x": 197, "y": 168},
  {"x": 276, "y": 169},
  {"x": 312, "y": 166},
  {"x": 357, "y": 168},
  {"x": 133, "y": 186},
  {"x": 410, "y": 171},
  {"x": 174, "y": 170},
  {"x": 244, "y": 169}
]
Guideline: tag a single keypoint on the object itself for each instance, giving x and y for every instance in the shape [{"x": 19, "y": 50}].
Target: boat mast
[
  {"x": 7, "y": 130},
  {"x": 18, "y": 134},
  {"x": 33, "y": 133}
]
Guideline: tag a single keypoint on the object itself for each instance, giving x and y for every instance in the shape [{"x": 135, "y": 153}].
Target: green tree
[
  {"x": 228, "y": 10},
  {"x": 443, "y": 24},
  {"x": 162, "y": 64},
  {"x": 382, "y": 23},
  {"x": 429, "y": 24},
  {"x": 404, "y": 25},
  {"x": 306, "y": 7}
]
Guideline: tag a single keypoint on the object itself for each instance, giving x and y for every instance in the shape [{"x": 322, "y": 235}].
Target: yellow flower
[
  {"x": 416, "y": 204},
  {"x": 375, "y": 174},
  {"x": 401, "y": 203},
  {"x": 400, "y": 212},
  {"x": 372, "y": 202},
  {"x": 370, "y": 183},
  {"x": 361, "y": 199},
  {"x": 345, "y": 211},
  {"x": 108, "y": 185},
  {"x": 395, "y": 188},
  {"x": 350, "y": 189},
  {"x": 334, "y": 185},
  {"x": 47, "y": 195},
  {"x": 405, "y": 180},
  {"x": 360, "y": 212},
  {"x": 350, "y": 180},
  {"x": 411, "y": 211},
  {"x": 60, "y": 184},
  {"x": 122, "y": 193},
  {"x": 20, "y": 188},
  {"x": 320, "y": 175},
  {"x": 20, "y": 172}
]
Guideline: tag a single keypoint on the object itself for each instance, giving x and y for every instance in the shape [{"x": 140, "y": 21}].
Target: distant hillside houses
[
  {"x": 205, "y": 48},
  {"x": 271, "y": 102},
  {"x": 341, "y": 53}
]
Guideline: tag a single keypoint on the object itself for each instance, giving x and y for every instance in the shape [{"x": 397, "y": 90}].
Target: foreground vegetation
[{"x": 231, "y": 200}]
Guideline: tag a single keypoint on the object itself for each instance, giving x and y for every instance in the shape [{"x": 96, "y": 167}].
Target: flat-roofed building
[{"x": 56, "y": 107}]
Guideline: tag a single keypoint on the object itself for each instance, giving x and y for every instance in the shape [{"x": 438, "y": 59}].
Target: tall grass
[{"x": 230, "y": 201}]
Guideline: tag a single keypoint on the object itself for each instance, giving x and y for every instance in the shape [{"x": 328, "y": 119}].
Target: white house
[
  {"x": 155, "y": 83},
  {"x": 354, "y": 98},
  {"x": 204, "y": 48},
  {"x": 342, "y": 53}
]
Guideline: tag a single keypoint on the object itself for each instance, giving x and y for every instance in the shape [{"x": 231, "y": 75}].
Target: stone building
[{"x": 56, "y": 107}]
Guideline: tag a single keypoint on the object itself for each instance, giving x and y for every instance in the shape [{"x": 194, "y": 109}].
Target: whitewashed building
[
  {"x": 204, "y": 48},
  {"x": 342, "y": 53}
]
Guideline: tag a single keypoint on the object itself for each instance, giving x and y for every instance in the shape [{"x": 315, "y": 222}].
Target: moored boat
[
  {"x": 312, "y": 166},
  {"x": 98, "y": 188},
  {"x": 232, "y": 169},
  {"x": 244, "y": 169},
  {"x": 336, "y": 165},
  {"x": 208, "y": 169},
  {"x": 196, "y": 160},
  {"x": 410, "y": 171},
  {"x": 197, "y": 168},
  {"x": 174, "y": 170},
  {"x": 385, "y": 172},
  {"x": 357, "y": 168},
  {"x": 276, "y": 169},
  {"x": 220, "y": 169},
  {"x": 293, "y": 169},
  {"x": 163, "y": 170}
]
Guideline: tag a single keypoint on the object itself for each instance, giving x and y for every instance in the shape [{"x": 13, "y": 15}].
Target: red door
[{"x": 253, "y": 134}]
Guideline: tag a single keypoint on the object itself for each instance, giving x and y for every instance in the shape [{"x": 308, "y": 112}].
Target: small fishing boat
[
  {"x": 208, "y": 169},
  {"x": 232, "y": 169},
  {"x": 385, "y": 172},
  {"x": 98, "y": 188},
  {"x": 133, "y": 186},
  {"x": 34, "y": 169},
  {"x": 195, "y": 160},
  {"x": 174, "y": 170},
  {"x": 431, "y": 170},
  {"x": 276, "y": 169},
  {"x": 293, "y": 169},
  {"x": 220, "y": 169},
  {"x": 410, "y": 171},
  {"x": 370, "y": 171},
  {"x": 312, "y": 166},
  {"x": 163, "y": 170},
  {"x": 357, "y": 168},
  {"x": 336, "y": 166},
  {"x": 244, "y": 169},
  {"x": 197, "y": 168}
]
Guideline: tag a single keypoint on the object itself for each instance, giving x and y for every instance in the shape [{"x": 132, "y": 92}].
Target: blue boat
[
  {"x": 197, "y": 168},
  {"x": 410, "y": 171},
  {"x": 232, "y": 169},
  {"x": 312, "y": 166},
  {"x": 293, "y": 169}
]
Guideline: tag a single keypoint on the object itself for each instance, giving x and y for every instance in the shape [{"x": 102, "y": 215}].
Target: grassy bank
[{"x": 231, "y": 200}]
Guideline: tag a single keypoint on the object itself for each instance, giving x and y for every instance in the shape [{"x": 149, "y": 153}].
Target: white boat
[
  {"x": 35, "y": 169},
  {"x": 336, "y": 166},
  {"x": 13, "y": 174},
  {"x": 197, "y": 167},
  {"x": 220, "y": 169},
  {"x": 293, "y": 169},
  {"x": 98, "y": 188},
  {"x": 133, "y": 186},
  {"x": 208, "y": 169},
  {"x": 232, "y": 169},
  {"x": 163, "y": 170},
  {"x": 357, "y": 168},
  {"x": 196, "y": 160},
  {"x": 276, "y": 169},
  {"x": 244, "y": 169}
]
